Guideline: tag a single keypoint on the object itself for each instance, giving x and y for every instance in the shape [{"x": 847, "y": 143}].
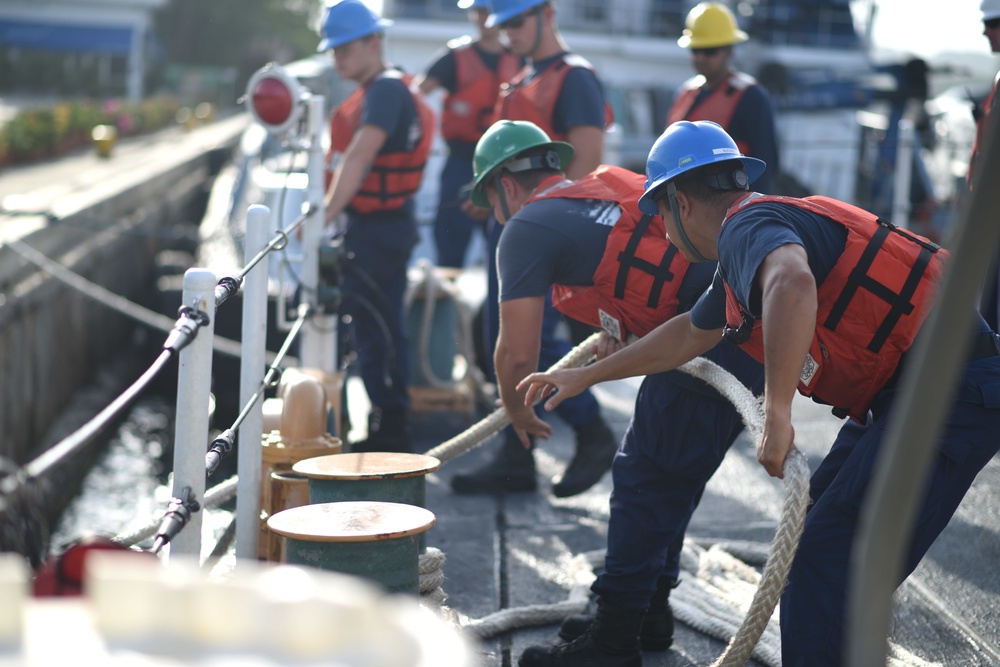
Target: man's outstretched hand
[{"x": 558, "y": 385}]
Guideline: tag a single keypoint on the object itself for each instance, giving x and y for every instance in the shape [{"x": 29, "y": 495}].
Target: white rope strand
[
  {"x": 480, "y": 431},
  {"x": 786, "y": 539},
  {"x": 213, "y": 498}
]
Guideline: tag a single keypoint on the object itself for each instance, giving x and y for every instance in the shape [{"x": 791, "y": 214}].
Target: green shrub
[{"x": 35, "y": 134}]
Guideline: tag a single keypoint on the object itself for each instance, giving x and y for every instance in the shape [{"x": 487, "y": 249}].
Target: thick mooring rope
[
  {"x": 740, "y": 648},
  {"x": 779, "y": 562},
  {"x": 793, "y": 514},
  {"x": 482, "y": 430},
  {"x": 782, "y": 552}
]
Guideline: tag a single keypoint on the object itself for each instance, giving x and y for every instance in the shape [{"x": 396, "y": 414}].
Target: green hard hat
[{"x": 503, "y": 143}]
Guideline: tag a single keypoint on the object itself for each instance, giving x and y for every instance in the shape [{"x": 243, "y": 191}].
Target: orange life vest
[
  {"x": 468, "y": 112},
  {"x": 636, "y": 283},
  {"x": 870, "y": 306},
  {"x": 535, "y": 99},
  {"x": 394, "y": 177},
  {"x": 719, "y": 106}
]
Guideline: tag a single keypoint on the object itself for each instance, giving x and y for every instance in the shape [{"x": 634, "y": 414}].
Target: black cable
[
  {"x": 178, "y": 514},
  {"x": 86, "y": 434},
  {"x": 230, "y": 285},
  {"x": 23, "y": 526},
  {"x": 222, "y": 445},
  {"x": 188, "y": 322}
]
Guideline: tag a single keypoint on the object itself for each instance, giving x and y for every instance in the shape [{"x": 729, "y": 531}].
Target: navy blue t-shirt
[
  {"x": 748, "y": 237},
  {"x": 561, "y": 241},
  {"x": 389, "y": 105}
]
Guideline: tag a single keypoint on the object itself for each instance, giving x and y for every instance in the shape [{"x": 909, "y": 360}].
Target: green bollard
[
  {"x": 390, "y": 477},
  {"x": 376, "y": 541}
]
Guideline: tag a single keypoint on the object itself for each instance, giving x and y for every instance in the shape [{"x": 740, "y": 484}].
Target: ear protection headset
[{"x": 728, "y": 180}]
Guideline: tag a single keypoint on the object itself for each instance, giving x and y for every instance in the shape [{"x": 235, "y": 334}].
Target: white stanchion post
[
  {"x": 319, "y": 336},
  {"x": 906, "y": 138},
  {"x": 194, "y": 380},
  {"x": 252, "y": 366}
]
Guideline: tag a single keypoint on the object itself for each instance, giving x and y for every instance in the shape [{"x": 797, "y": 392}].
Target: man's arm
[
  {"x": 516, "y": 355},
  {"x": 788, "y": 317},
  {"x": 427, "y": 84},
  {"x": 666, "y": 347},
  {"x": 588, "y": 150},
  {"x": 353, "y": 169}
]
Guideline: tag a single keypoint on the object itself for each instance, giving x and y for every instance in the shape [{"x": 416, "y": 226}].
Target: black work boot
[
  {"x": 595, "y": 448},
  {"x": 511, "y": 470},
  {"x": 657, "y": 631},
  {"x": 388, "y": 431},
  {"x": 612, "y": 640}
]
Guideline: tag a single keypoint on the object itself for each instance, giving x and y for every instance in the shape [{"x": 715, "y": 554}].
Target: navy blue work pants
[
  {"x": 453, "y": 229},
  {"x": 680, "y": 432},
  {"x": 378, "y": 249},
  {"x": 579, "y": 410},
  {"x": 813, "y": 605}
]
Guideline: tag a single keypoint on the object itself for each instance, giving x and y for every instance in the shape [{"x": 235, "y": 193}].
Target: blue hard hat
[
  {"x": 474, "y": 4},
  {"x": 348, "y": 20},
  {"x": 684, "y": 146},
  {"x": 505, "y": 10}
]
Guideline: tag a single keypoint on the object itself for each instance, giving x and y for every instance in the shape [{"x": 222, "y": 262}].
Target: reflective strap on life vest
[{"x": 627, "y": 260}]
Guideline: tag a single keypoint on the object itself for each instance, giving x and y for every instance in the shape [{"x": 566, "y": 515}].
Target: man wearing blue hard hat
[
  {"x": 558, "y": 91},
  {"x": 609, "y": 265},
  {"x": 380, "y": 138},
  {"x": 471, "y": 71},
  {"x": 830, "y": 299}
]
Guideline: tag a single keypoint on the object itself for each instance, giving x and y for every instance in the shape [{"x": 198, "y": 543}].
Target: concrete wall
[{"x": 54, "y": 339}]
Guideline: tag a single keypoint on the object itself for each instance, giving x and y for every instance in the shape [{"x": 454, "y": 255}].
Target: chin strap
[
  {"x": 672, "y": 197},
  {"x": 503, "y": 199},
  {"x": 547, "y": 160},
  {"x": 538, "y": 29}
]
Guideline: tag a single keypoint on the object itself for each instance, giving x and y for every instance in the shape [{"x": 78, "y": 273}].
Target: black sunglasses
[
  {"x": 708, "y": 53},
  {"x": 992, "y": 24}
]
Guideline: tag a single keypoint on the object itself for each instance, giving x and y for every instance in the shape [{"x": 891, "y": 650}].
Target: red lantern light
[
  {"x": 273, "y": 98},
  {"x": 272, "y": 101}
]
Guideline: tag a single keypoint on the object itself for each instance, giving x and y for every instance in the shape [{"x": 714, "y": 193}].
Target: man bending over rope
[
  {"x": 829, "y": 298},
  {"x": 611, "y": 266}
]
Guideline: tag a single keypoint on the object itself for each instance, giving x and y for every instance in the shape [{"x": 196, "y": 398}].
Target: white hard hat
[{"x": 990, "y": 9}]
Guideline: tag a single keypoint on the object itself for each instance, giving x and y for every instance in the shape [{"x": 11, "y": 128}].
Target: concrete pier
[{"x": 104, "y": 219}]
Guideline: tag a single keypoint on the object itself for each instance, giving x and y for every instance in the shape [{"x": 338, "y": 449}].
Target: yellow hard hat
[{"x": 711, "y": 24}]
